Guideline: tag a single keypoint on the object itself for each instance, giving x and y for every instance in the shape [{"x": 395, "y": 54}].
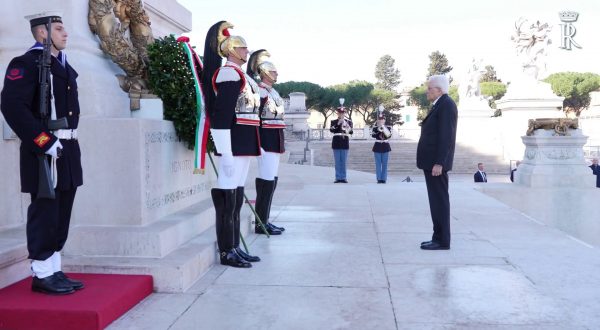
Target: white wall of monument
[{"x": 135, "y": 170}]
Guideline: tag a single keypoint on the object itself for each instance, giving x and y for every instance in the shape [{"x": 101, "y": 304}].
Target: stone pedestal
[
  {"x": 296, "y": 114},
  {"x": 554, "y": 161},
  {"x": 524, "y": 100}
]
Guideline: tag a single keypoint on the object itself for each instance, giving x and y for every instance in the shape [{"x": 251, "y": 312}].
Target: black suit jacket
[
  {"x": 340, "y": 141},
  {"x": 438, "y": 136},
  {"x": 479, "y": 178},
  {"x": 19, "y": 102},
  {"x": 596, "y": 171}
]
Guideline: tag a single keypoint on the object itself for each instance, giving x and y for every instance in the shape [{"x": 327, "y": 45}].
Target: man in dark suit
[
  {"x": 47, "y": 218},
  {"x": 512, "y": 172},
  {"x": 480, "y": 175},
  {"x": 596, "y": 170},
  {"x": 435, "y": 154}
]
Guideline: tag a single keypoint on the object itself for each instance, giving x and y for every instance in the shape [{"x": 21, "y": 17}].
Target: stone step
[
  {"x": 153, "y": 240},
  {"x": 176, "y": 272},
  {"x": 402, "y": 159},
  {"x": 14, "y": 265}
]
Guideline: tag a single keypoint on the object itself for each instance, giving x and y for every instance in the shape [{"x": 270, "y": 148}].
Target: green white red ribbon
[{"x": 202, "y": 126}]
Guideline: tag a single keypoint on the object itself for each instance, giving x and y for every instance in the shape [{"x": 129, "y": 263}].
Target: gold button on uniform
[
  {"x": 70, "y": 113},
  {"x": 68, "y": 88}
]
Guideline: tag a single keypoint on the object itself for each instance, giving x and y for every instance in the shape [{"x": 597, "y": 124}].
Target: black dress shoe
[
  {"x": 270, "y": 229},
  {"x": 435, "y": 246},
  {"x": 426, "y": 242},
  {"x": 281, "y": 229},
  {"x": 77, "y": 285},
  {"x": 337, "y": 181},
  {"x": 231, "y": 258},
  {"x": 382, "y": 181},
  {"x": 246, "y": 256},
  {"x": 344, "y": 181},
  {"x": 51, "y": 285}
]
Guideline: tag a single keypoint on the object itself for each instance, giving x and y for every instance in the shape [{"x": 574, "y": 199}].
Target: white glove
[
  {"x": 227, "y": 164},
  {"x": 53, "y": 151},
  {"x": 222, "y": 139}
]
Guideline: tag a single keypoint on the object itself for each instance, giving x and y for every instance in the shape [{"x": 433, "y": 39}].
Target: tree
[
  {"x": 391, "y": 107},
  {"x": 438, "y": 64},
  {"x": 575, "y": 87},
  {"x": 356, "y": 95},
  {"x": 313, "y": 92},
  {"x": 388, "y": 77},
  {"x": 494, "y": 90},
  {"x": 489, "y": 75}
]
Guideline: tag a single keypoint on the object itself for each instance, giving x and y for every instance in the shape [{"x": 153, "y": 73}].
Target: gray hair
[{"x": 440, "y": 81}]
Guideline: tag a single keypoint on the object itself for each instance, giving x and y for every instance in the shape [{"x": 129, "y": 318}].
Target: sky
[{"x": 333, "y": 42}]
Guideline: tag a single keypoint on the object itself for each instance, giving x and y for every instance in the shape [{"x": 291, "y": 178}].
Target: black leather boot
[
  {"x": 264, "y": 189},
  {"x": 239, "y": 202},
  {"x": 51, "y": 285},
  {"x": 281, "y": 229},
  {"x": 224, "y": 201}
]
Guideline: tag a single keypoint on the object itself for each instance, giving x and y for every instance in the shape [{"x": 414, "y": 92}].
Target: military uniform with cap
[
  {"x": 47, "y": 219},
  {"x": 341, "y": 129},
  {"x": 381, "y": 148},
  {"x": 232, "y": 102},
  {"x": 271, "y": 137}
]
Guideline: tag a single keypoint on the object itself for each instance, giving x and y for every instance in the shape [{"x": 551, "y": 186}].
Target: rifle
[{"x": 45, "y": 184}]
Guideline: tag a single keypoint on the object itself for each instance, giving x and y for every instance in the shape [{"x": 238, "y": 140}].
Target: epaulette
[{"x": 227, "y": 73}]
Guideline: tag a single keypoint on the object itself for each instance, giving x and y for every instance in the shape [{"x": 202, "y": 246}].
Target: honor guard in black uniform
[
  {"x": 45, "y": 147},
  {"x": 271, "y": 137},
  {"x": 381, "y": 148},
  {"x": 341, "y": 129},
  {"x": 232, "y": 102}
]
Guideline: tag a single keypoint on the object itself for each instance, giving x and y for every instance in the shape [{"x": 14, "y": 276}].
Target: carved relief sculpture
[
  {"x": 123, "y": 28},
  {"x": 560, "y": 126},
  {"x": 531, "y": 42}
]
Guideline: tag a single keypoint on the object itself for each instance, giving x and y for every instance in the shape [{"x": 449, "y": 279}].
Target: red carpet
[{"x": 104, "y": 299}]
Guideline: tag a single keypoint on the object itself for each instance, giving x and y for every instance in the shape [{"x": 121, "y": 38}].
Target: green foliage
[
  {"x": 493, "y": 90},
  {"x": 438, "y": 64},
  {"x": 453, "y": 93},
  {"x": 388, "y": 77},
  {"x": 575, "y": 87},
  {"x": 489, "y": 75},
  {"x": 314, "y": 93},
  {"x": 418, "y": 98},
  {"x": 170, "y": 78},
  {"x": 389, "y": 100}
]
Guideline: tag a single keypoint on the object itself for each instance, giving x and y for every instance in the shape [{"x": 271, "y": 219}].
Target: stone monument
[
  {"x": 527, "y": 97},
  {"x": 296, "y": 114},
  {"x": 553, "y": 156},
  {"x": 472, "y": 103},
  {"x": 553, "y": 183},
  {"x": 141, "y": 209}
]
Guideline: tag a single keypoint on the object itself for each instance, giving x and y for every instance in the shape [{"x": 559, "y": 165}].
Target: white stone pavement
[{"x": 350, "y": 259}]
